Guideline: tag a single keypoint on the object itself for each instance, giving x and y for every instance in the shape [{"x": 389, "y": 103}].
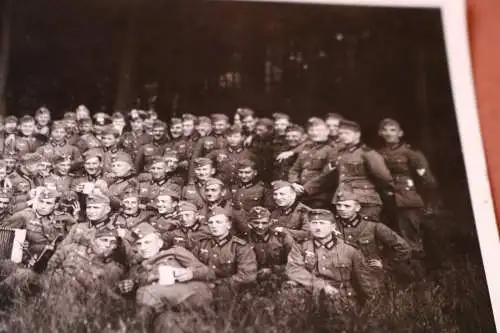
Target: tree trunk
[
  {"x": 127, "y": 65},
  {"x": 5, "y": 52}
]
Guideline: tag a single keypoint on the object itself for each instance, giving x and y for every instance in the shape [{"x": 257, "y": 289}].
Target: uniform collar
[
  {"x": 159, "y": 183},
  {"x": 168, "y": 215},
  {"x": 394, "y": 146},
  {"x": 352, "y": 223},
  {"x": 238, "y": 149},
  {"x": 112, "y": 150},
  {"x": 123, "y": 179},
  {"x": 221, "y": 203},
  {"x": 102, "y": 223},
  {"x": 326, "y": 243},
  {"x": 250, "y": 184},
  {"x": 95, "y": 177},
  {"x": 195, "y": 227},
  {"x": 58, "y": 144},
  {"x": 255, "y": 238},
  {"x": 289, "y": 210},
  {"x": 221, "y": 242},
  {"x": 351, "y": 148},
  {"x": 133, "y": 215}
]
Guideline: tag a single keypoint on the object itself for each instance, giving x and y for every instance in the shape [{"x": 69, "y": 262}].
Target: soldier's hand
[
  {"x": 284, "y": 156},
  {"x": 330, "y": 291},
  {"x": 299, "y": 189},
  {"x": 279, "y": 229},
  {"x": 264, "y": 272},
  {"x": 76, "y": 209},
  {"x": 183, "y": 274},
  {"x": 126, "y": 286},
  {"x": 375, "y": 263},
  {"x": 248, "y": 141}
]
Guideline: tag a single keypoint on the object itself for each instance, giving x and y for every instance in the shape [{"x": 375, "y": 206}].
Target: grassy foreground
[{"x": 453, "y": 298}]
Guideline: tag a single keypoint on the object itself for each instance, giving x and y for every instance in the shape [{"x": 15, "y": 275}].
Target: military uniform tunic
[
  {"x": 187, "y": 237},
  {"x": 294, "y": 219},
  {"x": 226, "y": 161}
]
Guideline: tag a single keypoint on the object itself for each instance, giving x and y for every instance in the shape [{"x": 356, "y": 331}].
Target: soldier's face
[
  {"x": 92, "y": 165},
  {"x": 10, "y": 164},
  {"x": 348, "y": 136},
  {"x": 219, "y": 225},
  {"x": 98, "y": 129},
  {"x": 333, "y": 126},
  {"x": 220, "y": 126},
  {"x": 45, "y": 206},
  {"x": 164, "y": 204},
  {"x": 119, "y": 123},
  {"x": 261, "y": 130},
  {"x": 137, "y": 125},
  {"x": 44, "y": 168},
  {"x": 188, "y": 127},
  {"x": 158, "y": 133},
  {"x": 70, "y": 125},
  {"x": 149, "y": 245},
  {"x": 248, "y": 123},
  {"x": 188, "y": 218},
  {"x": 109, "y": 140},
  {"x": 85, "y": 127},
  {"x": 58, "y": 133},
  {"x": 203, "y": 128},
  {"x": 62, "y": 168},
  {"x": 208, "y": 145},
  {"x": 280, "y": 125},
  {"x": 213, "y": 192},
  {"x": 347, "y": 209},
  {"x": 234, "y": 139},
  {"x": 120, "y": 168},
  {"x": 28, "y": 128},
  {"x": 4, "y": 204},
  {"x": 284, "y": 197},
  {"x": 391, "y": 133},
  {"x": 82, "y": 112},
  {"x": 246, "y": 175},
  {"x": 105, "y": 245},
  {"x": 97, "y": 211},
  {"x": 130, "y": 205},
  {"x": 43, "y": 119},
  {"x": 318, "y": 133},
  {"x": 176, "y": 130},
  {"x": 293, "y": 138},
  {"x": 260, "y": 227},
  {"x": 158, "y": 170},
  {"x": 10, "y": 126},
  {"x": 204, "y": 172},
  {"x": 321, "y": 229}
]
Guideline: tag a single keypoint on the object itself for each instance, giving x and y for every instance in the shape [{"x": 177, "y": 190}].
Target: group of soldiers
[{"x": 179, "y": 214}]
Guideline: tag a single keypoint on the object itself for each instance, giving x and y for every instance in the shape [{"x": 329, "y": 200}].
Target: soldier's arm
[
  {"x": 419, "y": 165},
  {"x": 184, "y": 257},
  {"x": 379, "y": 170},
  {"x": 294, "y": 172},
  {"x": 363, "y": 275},
  {"x": 16, "y": 221},
  {"x": 296, "y": 271},
  {"x": 390, "y": 239}
]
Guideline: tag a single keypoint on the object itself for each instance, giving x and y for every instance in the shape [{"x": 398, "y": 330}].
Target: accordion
[{"x": 11, "y": 244}]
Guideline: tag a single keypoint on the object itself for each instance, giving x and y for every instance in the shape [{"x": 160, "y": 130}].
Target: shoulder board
[
  {"x": 366, "y": 148},
  {"x": 239, "y": 241}
]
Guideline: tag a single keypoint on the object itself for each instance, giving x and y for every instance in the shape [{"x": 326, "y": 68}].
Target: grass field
[{"x": 452, "y": 298}]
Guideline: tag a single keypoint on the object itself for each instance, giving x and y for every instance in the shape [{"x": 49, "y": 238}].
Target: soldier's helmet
[
  {"x": 321, "y": 215},
  {"x": 142, "y": 230}
]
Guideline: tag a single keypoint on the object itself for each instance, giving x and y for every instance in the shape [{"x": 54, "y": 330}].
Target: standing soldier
[
  {"x": 179, "y": 144},
  {"x": 327, "y": 265},
  {"x": 190, "y": 230},
  {"x": 293, "y": 137},
  {"x": 203, "y": 126},
  {"x": 290, "y": 215},
  {"x": 262, "y": 146},
  {"x": 156, "y": 147},
  {"x": 61, "y": 175},
  {"x": 27, "y": 142},
  {"x": 110, "y": 146},
  {"x": 410, "y": 171},
  {"x": 248, "y": 193},
  {"x": 332, "y": 121},
  {"x": 58, "y": 145},
  {"x": 136, "y": 137},
  {"x": 311, "y": 162},
  {"x": 216, "y": 196},
  {"x": 42, "y": 119},
  {"x": 87, "y": 140},
  {"x": 203, "y": 169},
  {"x": 123, "y": 173},
  {"x": 9, "y": 135},
  {"x": 220, "y": 123}
]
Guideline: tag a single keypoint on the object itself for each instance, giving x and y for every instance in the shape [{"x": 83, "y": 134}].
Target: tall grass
[{"x": 451, "y": 299}]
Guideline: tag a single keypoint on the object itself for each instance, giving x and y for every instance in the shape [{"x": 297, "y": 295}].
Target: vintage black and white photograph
[{"x": 220, "y": 166}]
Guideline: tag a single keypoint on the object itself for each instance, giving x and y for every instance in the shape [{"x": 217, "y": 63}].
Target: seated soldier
[
  {"x": 216, "y": 196},
  {"x": 325, "y": 264},
  {"x": 130, "y": 214},
  {"x": 154, "y": 292},
  {"x": 203, "y": 169},
  {"x": 375, "y": 240},
  {"x": 271, "y": 248},
  {"x": 289, "y": 214},
  {"x": 190, "y": 229},
  {"x": 166, "y": 218}
]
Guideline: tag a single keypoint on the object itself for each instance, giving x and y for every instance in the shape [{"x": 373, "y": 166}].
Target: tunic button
[
  {"x": 214, "y": 267},
  {"x": 324, "y": 257},
  {"x": 215, "y": 255},
  {"x": 323, "y": 268},
  {"x": 349, "y": 236}
]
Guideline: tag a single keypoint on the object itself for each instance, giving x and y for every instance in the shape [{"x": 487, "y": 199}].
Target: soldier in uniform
[
  {"x": 203, "y": 126},
  {"x": 190, "y": 230},
  {"x": 110, "y": 146},
  {"x": 179, "y": 144},
  {"x": 203, "y": 169},
  {"x": 290, "y": 215},
  {"x": 271, "y": 248},
  {"x": 220, "y": 123},
  {"x": 216, "y": 196},
  {"x": 410, "y": 171},
  {"x": 166, "y": 218},
  {"x": 27, "y": 142},
  {"x": 313, "y": 161},
  {"x": 61, "y": 173},
  {"x": 293, "y": 136},
  {"x": 136, "y": 137},
  {"x": 156, "y": 147},
  {"x": 130, "y": 215},
  {"x": 248, "y": 193},
  {"x": 379, "y": 244},
  {"x": 8, "y": 136},
  {"x": 122, "y": 168},
  {"x": 262, "y": 147},
  {"x": 87, "y": 139},
  {"x": 226, "y": 158},
  {"x": 332, "y": 121},
  {"x": 22, "y": 180},
  {"x": 326, "y": 265},
  {"x": 162, "y": 172},
  {"x": 42, "y": 119},
  {"x": 58, "y": 145},
  {"x": 189, "y": 134}
]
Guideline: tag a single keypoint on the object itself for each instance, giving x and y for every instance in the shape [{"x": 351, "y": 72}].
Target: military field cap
[
  {"x": 175, "y": 121},
  {"x": 131, "y": 192},
  {"x": 203, "y": 120},
  {"x": 217, "y": 211},
  {"x": 259, "y": 213},
  {"x": 320, "y": 215},
  {"x": 235, "y": 129},
  {"x": 85, "y": 120},
  {"x": 333, "y": 115},
  {"x": 172, "y": 191},
  {"x": 246, "y": 163},
  {"x": 186, "y": 206},
  {"x": 279, "y": 115},
  {"x": 142, "y": 230},
  {"x": 110, "y": 130},
  {"x": 219, "y": 117},
  {"x": 295, "y": 128},
  {"x": 245, "y": 112},
  {"x": 58, "y": 124},
  {"x": 159, "y": 124},
  {"x": 58, "y": 158},
  {"x": 388, "y": 122},
  {"x": 26, "y": 119},
  {"x": 31, "y": 158},
  {"x": 170, "y": 155},
  {"x": 156, "y": 159},
  {"x": 11, "y": 119},
  {"x": 106, "y": 232},
  {"x": 123, "y": 157},
  {"x": 265, "y": 122},
  {"x": 102, "y": 118},
  {"x": 44, "y": 159},
  {"x": 349, "y": 124},
  {"x": 315, "y": 121},
  {"x": 278, "y": 184},
  {"x": 214, "y": 181},
  {"x": 97, "y": 197},
  {"x": 345, "y": 196},
  {"x": 42, "y": 110},
  {"x": 152, "y": 114},
  {"x": 201, "y": 162},
  {"x": 47, "y": 193},
  {"x": 188, "y": 116},
  {"x": 93, "y": 152},
  {"x": 118, "y": 115}
]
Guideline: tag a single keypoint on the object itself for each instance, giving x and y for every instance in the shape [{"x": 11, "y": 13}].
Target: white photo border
[{"x": 454, "y": 21}]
